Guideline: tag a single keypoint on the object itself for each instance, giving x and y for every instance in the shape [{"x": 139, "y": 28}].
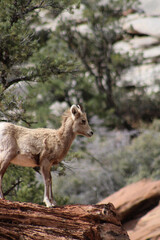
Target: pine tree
[{"x": 19, "y": 41}]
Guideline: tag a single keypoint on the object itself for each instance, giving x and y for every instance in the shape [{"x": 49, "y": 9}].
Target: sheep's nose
[{"x": 91, "y": 133}]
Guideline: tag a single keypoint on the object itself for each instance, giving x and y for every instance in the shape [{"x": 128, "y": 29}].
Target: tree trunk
[{"x": 27, "y": 221}]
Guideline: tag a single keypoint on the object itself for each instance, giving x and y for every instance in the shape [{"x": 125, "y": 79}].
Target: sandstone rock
[
  {"x": 146, "y": 227},
  {"x": 144, "y": 25},
  {"x": 143, "y": 42},
  {"x": 139, "y": 209},
  {"x": 152, "y": 52},
  {"x": 130, "y": 17},
  {"x": 122, "y": 47},
  {"x": 135, "y": 199},
  {"x": 143, "y": 75},
  {"x": 139, "y": 46},
  {"x": 150, "y": 7}
]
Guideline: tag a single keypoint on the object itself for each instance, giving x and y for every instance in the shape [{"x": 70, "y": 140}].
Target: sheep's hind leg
[
  {"x": 4, "y": 163},
  {"x": 50, "y": 191},
  {"x": 3, "y": 168}
]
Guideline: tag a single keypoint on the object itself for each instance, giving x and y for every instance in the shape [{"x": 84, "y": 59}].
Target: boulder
[
  {"x": 150, "y": 7},
  {"x": 129, "y": 198},
  {"x": 152, "y": 52},
  {"x": 144, "y": 25},
  {"x": 143, "y": 42},
  {"x": 122, "y": 47},
  {"x": 139, "y": 209},
  {"x": 145, "y": 227},
  {"x": 143, "y": 75},
  {"x": 138, "y": 46}
]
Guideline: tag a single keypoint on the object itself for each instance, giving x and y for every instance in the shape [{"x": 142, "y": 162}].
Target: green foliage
[
  {"x": 22, "y": 57},
  {"x": 17, "y": 39},
  {"x": 139, "y": 160},
  {"x": 26, "y": 187}
]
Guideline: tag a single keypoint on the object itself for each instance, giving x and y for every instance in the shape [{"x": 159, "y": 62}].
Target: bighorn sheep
[{"x": 41, "y": 147}]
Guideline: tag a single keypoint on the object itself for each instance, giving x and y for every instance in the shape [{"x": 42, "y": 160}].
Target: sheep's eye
[{"x": 83, "y": 122}]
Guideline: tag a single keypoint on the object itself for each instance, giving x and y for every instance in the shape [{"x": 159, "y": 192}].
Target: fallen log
[{"x": 27, "y": 221}]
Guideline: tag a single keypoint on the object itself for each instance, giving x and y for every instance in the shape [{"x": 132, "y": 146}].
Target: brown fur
[{"x": 41, "y": 147}]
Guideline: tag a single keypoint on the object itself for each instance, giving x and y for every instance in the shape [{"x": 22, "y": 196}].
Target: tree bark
[{"x": 27, "y": 221}]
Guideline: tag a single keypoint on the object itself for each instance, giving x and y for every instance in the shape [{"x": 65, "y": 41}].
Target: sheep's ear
[
  {"x": 74, "y": 111},
  {"x": 80, "y": 107}
]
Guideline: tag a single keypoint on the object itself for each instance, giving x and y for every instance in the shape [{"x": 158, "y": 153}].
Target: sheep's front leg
[{"x": 48, "y": 196}]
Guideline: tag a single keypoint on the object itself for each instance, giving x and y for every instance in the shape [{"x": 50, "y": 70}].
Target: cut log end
[{"x": 31, "y": 221}]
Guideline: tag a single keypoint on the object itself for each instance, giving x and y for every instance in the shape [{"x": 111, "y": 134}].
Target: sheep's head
[{"x": 80, "y": 122}]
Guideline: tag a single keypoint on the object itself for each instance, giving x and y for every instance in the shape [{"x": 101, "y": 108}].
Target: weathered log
[{"x": 31, "y": 221}]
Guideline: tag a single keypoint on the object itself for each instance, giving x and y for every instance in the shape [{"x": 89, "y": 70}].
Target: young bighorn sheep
[{"x": 41, "y": 147}]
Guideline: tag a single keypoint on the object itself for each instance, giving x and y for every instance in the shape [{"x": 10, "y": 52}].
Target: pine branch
[
  {"x": 16, "y": 80},
  {"x": 13, "y": 186}
]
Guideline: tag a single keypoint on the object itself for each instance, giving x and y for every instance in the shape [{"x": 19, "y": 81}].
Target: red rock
[
  {"x": 146, "y": 227},
  {"x": 139, "y": 209},
  {"x": 135, "y": 199}
]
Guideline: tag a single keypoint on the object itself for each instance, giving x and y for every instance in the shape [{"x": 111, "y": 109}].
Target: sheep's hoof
[{"x": 49, "y": 203}]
